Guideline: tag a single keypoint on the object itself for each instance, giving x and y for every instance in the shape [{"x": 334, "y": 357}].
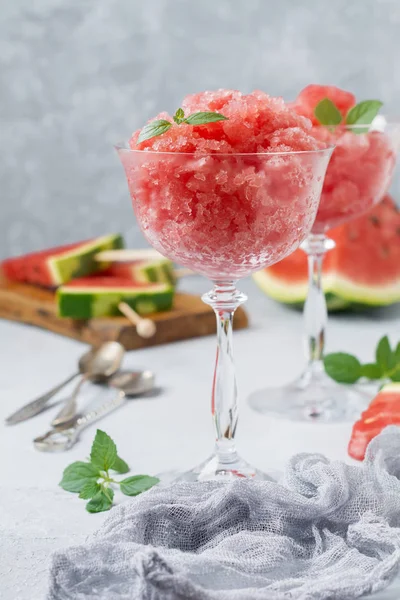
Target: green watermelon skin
[
  {"x": 145, "y": 271},
  {"x": 361, "y": 272},
  {"x": 98, "y": 296},
  {"x": 55, "y": 266}
]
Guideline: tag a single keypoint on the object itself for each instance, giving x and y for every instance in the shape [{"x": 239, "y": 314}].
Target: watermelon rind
[
  {"x": 340, "y": 293},
  {"x": 390, "y": 388},
  {"x": 154, "y": 271},
  {"x": 81, "y": 261},
  {"x": 87, "y": 302}
]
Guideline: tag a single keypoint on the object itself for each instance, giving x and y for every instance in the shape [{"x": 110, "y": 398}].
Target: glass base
[
  {"x": 312, "y": 397},
  {"x": 214, "y": 469}
]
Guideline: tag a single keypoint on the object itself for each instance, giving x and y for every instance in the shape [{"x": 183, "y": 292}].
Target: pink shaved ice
[
  {"x": 362, "y": 164},
  {"x": 358, "y": 175},
  {"x": 256, "y": 123},
  {"x": 208, "y": 198},
  {"x": 311, "y": 95}
]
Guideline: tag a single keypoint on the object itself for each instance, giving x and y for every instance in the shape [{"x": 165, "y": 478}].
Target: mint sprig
[
  {"x": 327, "y": 113},
  {"x": 363, "y": 113},
  {"x": 346, "y": 368},
  {"x": 160, "y": 126},
  {"x": 92, "y": 480}
]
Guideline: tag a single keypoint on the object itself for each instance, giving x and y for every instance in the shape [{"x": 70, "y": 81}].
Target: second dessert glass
[
  {"x": 357, "y": 178},
  {"x": 225, "y": 216}
]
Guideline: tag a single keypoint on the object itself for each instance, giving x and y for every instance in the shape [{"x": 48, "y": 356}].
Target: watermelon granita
[
  {"x": 362, "y": 163},
  {"x": 227, "y": 198}
]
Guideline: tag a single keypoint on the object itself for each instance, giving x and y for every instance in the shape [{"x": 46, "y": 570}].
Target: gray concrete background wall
[{"x": 78, "y": 75}]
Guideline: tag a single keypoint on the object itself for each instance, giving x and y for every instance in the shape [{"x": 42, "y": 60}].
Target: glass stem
[
  {"x": 224, "y": 299},
  {"x": 315, "y": 310}
]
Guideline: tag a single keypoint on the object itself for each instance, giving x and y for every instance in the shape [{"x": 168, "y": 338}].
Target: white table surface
[{"x": 171, "y": 431}]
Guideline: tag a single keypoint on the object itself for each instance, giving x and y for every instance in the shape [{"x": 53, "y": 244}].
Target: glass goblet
[
  {"x": 357, "y": 178},
  {"x": 224, "y": 216}
]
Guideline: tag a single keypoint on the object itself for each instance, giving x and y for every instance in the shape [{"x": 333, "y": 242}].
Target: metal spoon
[
  {"x": 105, "y": 362},
  {"x": 39, "y": 404},
  {"x": 127, "y": 383}
]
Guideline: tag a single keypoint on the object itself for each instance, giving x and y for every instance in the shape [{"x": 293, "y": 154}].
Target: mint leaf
[
  {"x": 77, "y": 475},
  {"x": 104, "y": 452},
  {"x": 327, "y": 113},
  {"x": 397, "y": 353},
  {"x": 371, "y": 371},
  {"x": 363, "y": 113},
  {"x": 132, "y": 486},
  {"x": 384, "y": 356},
  {"x": 120, "y": 466},
  {"x": 343, "y": 368},
  {"x": 179, "y": 116},
  {"x": 153, "y": 129},
  {"x": 89, "y": 490},
  {"x": 101, "y": 501},
  {"x": 395, "y": 375},
  {"x": 201, "y": 118}
]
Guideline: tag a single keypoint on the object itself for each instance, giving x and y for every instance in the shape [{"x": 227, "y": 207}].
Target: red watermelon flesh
[
  {"x": 364, "y": 267},
  {"x": 106, "y": 280},
  {"x": 33, "y": 267},
  {"x": 384, "y": 410},
  {"x": 311, "y": 95},
  {"x": 55, "y": 266}
]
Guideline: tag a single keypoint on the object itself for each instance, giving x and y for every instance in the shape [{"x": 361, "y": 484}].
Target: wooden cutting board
[{"x": 189, "y": 318}]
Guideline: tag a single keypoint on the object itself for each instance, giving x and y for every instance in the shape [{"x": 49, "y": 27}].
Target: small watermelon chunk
[
  {"x": 384, "y": 410},
  {"x": 363, "y": 269},
  {"x": 99, "y": 296},
  {"x": 55, "y": 266},
  {"x": 144, "y": 271},
  {"x": 311, "y": 95}
]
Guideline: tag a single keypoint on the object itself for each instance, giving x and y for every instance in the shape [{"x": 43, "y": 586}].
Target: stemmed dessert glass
[
  {"x": 357, "y": 178},
  {"x": 224, "y": 216}
]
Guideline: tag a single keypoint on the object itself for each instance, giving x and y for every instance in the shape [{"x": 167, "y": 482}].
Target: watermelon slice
[
  {"x": 384, "y": 410},
  {"x": 99, "y": 296},
  {"x": 363, "y": 269},
  {"x": 144, "y": 271},
  {"x": 53, "y": 267}
]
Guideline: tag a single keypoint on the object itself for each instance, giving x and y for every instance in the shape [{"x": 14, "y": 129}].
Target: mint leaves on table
[
  {"x": 92, "y": 480},
  {"x": 346, "y": 368},
  {"x": 160, "y": 126},
  {"x": 363, "y": 113}
]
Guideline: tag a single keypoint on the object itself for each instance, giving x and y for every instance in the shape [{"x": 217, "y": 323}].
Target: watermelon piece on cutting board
[
  {"x": 99, "y": 296},
  {"x": 55, "y": 266},
  {"x": 144, "y": 271},
  {"x": 384, "y": 410},
  {"x": 363, "y": 269}
]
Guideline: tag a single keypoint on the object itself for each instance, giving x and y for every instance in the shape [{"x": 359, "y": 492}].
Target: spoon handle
[
  {"x": 36, "y": 406},
  {"x": 68, "y": 411},
  {"x": 58, "y": 440}
]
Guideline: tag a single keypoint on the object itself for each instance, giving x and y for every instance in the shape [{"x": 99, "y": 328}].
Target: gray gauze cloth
[{"x": 327, "y": 530}]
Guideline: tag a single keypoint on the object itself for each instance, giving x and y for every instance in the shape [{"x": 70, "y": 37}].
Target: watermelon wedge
[
  {"x": 99, "y": 296},
  {"x": 55, "y": 266},
  {"x": 384, "y": 410},
  {"x": 144, "y": 271},
  {"x": 363, "y": 269}
]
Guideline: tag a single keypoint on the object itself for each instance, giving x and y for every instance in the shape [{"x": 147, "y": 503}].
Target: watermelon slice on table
[
  {"x": 363, "y": 269},
  {"x": 55, "y": 266},
  {"x": 99, "y": 296},
  {"x": 384, "y": 410}
]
